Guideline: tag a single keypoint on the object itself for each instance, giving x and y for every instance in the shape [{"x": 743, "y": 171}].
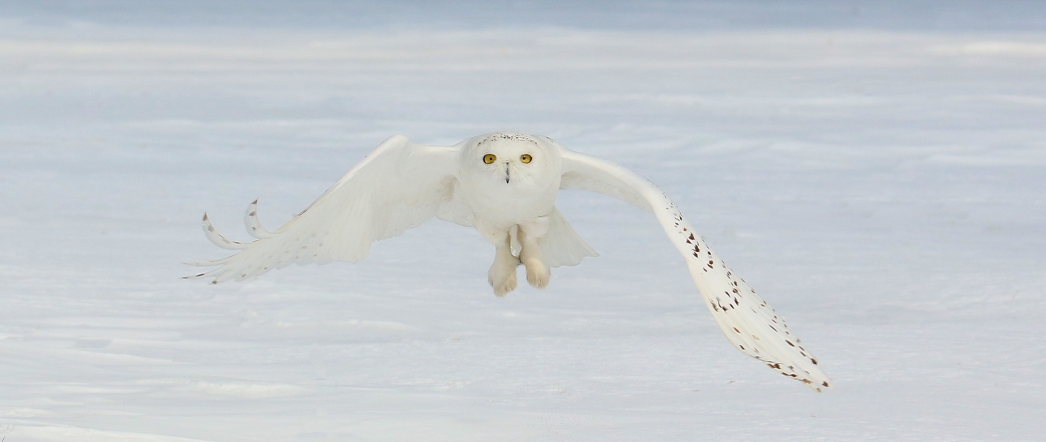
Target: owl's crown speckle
[{"x": 508, "y": 136}]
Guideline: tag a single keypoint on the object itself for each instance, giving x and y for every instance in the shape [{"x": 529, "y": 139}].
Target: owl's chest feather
[{"x": 506, "y": 204}]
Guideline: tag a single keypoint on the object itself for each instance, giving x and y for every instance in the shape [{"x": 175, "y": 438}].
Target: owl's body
[
  {"x": 505, "y": 185},
  {"x": 512, "y": 198}
]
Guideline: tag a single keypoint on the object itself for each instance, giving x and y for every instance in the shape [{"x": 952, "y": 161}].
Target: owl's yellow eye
[
  {"x": 489, "y": 158},
  {"x": 525, "y": 158}
]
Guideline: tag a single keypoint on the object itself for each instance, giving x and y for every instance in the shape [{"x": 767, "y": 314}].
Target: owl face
[{"x": 511, "y": 159}]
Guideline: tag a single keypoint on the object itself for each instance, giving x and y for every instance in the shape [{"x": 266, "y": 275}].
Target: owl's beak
[{"x": 506, "y": 172}]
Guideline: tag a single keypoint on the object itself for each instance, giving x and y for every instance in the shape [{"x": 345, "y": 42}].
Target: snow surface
[{"x": 876, "y": 171}]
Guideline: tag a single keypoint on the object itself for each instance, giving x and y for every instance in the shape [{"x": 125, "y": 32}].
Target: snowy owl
[{"x": 503, "y": 184}]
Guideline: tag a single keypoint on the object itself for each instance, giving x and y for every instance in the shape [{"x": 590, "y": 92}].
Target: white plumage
[{"x": 503, "y": 184}]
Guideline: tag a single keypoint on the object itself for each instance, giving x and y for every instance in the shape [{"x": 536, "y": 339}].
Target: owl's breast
[{"x": 506, "y": 204}]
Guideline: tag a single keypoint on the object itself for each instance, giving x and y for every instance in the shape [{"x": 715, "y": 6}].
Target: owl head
[{"x": 512, "y": 158}]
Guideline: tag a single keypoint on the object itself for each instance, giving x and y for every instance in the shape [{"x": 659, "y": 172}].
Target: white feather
[
  {"x": 398, "y": 186},
  {"x": 562, "y": 246},
  {"x": 745, "y": 318},
  {"x": 250, "y": 220},
  {"x": 217, "y": 238}
]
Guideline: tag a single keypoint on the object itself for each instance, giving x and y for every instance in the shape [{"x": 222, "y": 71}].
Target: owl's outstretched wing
[
  {"x": 398, "y": 186},
  {"x": 747, "y": 321}
]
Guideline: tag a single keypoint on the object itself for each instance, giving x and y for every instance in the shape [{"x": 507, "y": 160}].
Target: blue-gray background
[{"x": 875, "y": 170}]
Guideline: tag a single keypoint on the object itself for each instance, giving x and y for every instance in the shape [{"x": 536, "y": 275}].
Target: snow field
[{"x": 883, "y": 190}]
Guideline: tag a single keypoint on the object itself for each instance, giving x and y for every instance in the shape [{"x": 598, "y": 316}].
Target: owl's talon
[
  {"x": 504, "y": 285},
  {"x": 538, "y": 274},
  {"x": 502, "y": 273}
]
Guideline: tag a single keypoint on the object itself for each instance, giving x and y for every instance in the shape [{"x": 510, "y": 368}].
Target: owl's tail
[{"x": 562, "y": 246}]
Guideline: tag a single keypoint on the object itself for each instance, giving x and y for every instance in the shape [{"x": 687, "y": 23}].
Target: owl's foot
[
  {"x": 502, "y": 287},
  {"x": 537, "y": 273},
  {"x": 502, "y": 279},
  {"x": 530, "y": 253},
  {"x": 502, "y": 274}
]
